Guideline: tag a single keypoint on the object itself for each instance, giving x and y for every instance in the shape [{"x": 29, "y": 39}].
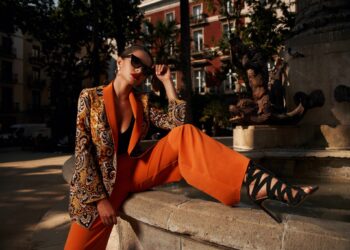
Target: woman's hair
[{"x": 129, "y": 50}]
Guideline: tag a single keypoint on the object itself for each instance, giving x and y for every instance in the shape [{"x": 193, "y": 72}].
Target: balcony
[
  {"x": 198, "y": 20},
  {"x": 7, "y": 52},
  {"x": 36, "y": 83},
  {"x": 202, "y": 53},
  {"x": 36, "y": 60}
]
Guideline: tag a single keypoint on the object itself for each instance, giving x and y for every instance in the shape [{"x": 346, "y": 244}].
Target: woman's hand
[
  {"x": 107, "y": 213},
  {"x": 163, "y": 73}
]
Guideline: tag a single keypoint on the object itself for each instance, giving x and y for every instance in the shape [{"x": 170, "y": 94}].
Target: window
[
  {"x": 36, "y": 74},
  {"x": 199, "y": 81},
  {"x": 174, "y": 79},
  {"x": 36, "y": 51},
  {"x": 148, "y": 86},
  {"x": 6, "y": 71},
  {"x": 7, "y": 43},
  {"x": 226, "y": 30},
  {"x": 229, "y": 7},
  {"x": 197, "y": 11},
  {"x": 170, "y": 17},
  {"x": 145, "y": 25},
  {"x": 36, "y": 99},
  {"x": 171, "y": 48},
  {"x": 198, "y": 40},
  {"x": 229, "y": 82}
]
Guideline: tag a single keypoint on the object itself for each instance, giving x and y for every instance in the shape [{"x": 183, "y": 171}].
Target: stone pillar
[{"x": 321, "y": 61}]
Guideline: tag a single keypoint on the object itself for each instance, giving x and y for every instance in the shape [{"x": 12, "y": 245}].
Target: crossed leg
[{"x": 186, "y": 153}]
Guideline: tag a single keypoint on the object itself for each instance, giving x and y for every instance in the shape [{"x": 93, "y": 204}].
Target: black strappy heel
[{"x": 277, "y": 192}]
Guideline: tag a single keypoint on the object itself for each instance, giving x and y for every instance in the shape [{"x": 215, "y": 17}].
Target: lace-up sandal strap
[
  {"x": 276, "y": 191},
  {"x": 261, "y": 182},
  {"x": 300, "y": 195}
]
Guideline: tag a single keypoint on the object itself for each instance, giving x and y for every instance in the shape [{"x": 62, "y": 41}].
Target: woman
[{"x": 111, "y": 121}]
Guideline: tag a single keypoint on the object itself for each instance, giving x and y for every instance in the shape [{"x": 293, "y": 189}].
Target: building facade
[
  {"x": 209, "y": 28},
  {"x": 24, "y": 89}
]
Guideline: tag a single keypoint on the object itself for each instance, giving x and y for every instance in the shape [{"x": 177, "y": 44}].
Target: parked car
[{"x": 30, "y": 130}]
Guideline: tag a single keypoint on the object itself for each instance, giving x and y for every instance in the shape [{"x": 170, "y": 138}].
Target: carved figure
[{"x": 258, "y": 109}]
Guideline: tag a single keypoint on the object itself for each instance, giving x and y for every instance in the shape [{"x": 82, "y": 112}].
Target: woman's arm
[
  {"x": 86, "y": 181},
  {"x": 163, "y": 74},
  {"x": 176, "y": 108}
]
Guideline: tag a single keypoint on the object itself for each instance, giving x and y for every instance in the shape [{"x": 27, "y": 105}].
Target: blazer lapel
[
  {"x": 137, "y": 110},
  {"x": 108, "y": 97}
]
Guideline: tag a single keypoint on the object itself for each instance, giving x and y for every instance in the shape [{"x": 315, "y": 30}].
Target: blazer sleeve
[
  {"x": 86, "y": 181},
  {"x": 171, "y": 119}
]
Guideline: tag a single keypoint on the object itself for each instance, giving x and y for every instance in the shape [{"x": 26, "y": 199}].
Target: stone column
[{"x": 319, "y": 59}]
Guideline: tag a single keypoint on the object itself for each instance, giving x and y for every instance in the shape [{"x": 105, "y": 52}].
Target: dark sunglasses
[{"x": 137, "y": 63}]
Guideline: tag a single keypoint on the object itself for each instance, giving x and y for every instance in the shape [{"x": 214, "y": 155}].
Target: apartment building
[
  {"x": 24, "y": 89},
  {"x": 208, "y": 28}
]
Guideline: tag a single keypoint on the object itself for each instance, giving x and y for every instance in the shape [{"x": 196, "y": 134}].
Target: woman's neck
[{"x": 121, "y": 88}]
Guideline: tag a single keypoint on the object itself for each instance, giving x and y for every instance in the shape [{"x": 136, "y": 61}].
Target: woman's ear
[{"x": 118, "y": 63}]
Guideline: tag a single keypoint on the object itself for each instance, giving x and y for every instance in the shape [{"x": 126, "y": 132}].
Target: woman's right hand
[{"x": 107, "y": 213}]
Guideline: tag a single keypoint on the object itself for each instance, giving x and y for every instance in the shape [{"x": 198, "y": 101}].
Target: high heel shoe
[{"x": 279, "y": 190}]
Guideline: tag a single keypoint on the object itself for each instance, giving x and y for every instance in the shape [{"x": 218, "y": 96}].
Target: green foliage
[
  {"x": 76, "y": 40},
  {"x": 161, "y": 38},
  {"x": 267, "y": 30},
  {"x": 211, "y": 111}
]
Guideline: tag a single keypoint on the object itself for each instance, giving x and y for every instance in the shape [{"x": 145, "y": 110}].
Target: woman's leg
[
  {"x": 96, "y": 237},
  {"x": 211, "y": 167},
  {"x": 203, "y": 162}
]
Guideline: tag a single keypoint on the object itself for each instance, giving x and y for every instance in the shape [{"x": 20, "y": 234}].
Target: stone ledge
[
  {"x": 295, "y": 153},
  {"x": 210, "y": 225},
  {"x": 305, "y": 136}
]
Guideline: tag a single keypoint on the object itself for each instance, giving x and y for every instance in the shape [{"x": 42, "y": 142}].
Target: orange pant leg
[
  {"x": 96, "y": 237},
  {"x": 202, "y": 161}
]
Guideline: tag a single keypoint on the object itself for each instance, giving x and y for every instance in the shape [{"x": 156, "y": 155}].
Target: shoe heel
[{"x": 273, "y": 216}]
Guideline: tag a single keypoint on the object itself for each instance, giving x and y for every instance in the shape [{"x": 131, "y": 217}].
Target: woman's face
[{"x": 135, "y": 67}]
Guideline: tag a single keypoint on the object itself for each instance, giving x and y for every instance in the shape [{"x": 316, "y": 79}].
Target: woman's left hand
[{"x": 163, "y": 73}]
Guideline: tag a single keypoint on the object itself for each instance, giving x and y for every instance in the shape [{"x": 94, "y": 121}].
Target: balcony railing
[
  {"x": 198, "y": 19},
  {"x": 37, "y": 60}
]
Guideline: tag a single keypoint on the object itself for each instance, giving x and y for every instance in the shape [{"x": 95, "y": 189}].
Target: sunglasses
[{"x": 137, "y": 63}]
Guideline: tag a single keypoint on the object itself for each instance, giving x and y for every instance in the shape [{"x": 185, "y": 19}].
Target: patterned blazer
[{"x": 97, "y": 141}]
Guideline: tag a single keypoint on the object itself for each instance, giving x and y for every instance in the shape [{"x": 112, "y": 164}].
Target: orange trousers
[{"x": 186, "y": 153}]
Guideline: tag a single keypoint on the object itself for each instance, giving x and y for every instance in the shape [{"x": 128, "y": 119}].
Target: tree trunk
[
  {"x": 117, "y": 6},
  {"x": 186, "y": 56}
]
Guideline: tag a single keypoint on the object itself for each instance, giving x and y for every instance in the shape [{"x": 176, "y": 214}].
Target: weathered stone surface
[
  {"x": 189, "y": 224},
  {"x": 188, "y": 244},
  {"x": 316, "y": 234},
  {"x": 289, "y": 137},
  {"x": 148, "y": 212},
  {"x": 231, "y": 227}
]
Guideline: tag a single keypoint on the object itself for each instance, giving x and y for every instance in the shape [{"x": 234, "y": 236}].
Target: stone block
[
  {"x": 322, "y": 235},
  {"x": 302, "y": 136},
  {"x": 148, "y": 212},
  {"x": 264, "y": 136},
  {"x": 237, "y": 228}
]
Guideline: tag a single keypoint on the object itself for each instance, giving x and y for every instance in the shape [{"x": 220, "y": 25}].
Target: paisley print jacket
[{"x": 97, "y": 141}]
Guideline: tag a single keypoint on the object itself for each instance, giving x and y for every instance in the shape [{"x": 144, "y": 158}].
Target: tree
[
  {"x": 76, "y": 38},
  {"x": 186, "y": 55}
]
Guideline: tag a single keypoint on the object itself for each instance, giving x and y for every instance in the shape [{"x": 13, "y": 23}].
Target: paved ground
[{"x": 30, "y": 184}]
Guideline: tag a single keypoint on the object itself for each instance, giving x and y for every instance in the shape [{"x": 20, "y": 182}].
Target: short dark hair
[{"x": 129, "y": 50}]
